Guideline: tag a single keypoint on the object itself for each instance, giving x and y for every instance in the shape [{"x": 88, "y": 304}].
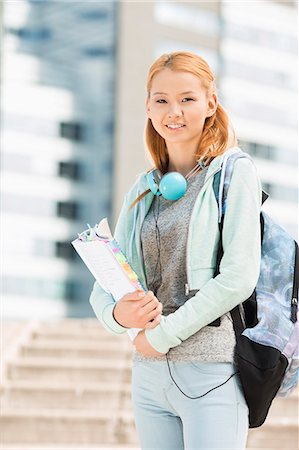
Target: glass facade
[{"x": 59, "y": 149}]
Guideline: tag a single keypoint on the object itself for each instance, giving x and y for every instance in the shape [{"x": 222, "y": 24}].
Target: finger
[
  {"x": 155, "y": 316},
  {"x": 153, "y": 323},
  {"x": 147, "y": 298},
  {"x": 154, "y": 312},
  {"x": 148, "y": 307}
]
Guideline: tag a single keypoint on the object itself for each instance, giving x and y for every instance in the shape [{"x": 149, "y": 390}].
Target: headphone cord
[
  {"x": 200, "y": 396},
  {"x": 155, "y": 289}
]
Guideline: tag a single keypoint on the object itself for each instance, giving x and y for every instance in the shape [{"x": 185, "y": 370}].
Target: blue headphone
[{"x": 172, "y": 185}]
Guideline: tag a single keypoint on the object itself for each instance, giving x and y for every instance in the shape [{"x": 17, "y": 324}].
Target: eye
[{"x": 186, "y": 98}]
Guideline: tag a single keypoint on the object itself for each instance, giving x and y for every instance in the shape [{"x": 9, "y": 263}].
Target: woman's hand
[
  {"x": 138, "y": 310},
  {"x": 143, "y": 346}
]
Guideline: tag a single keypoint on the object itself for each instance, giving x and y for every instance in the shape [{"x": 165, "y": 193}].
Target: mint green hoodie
[{"x": 240, "y": 264}]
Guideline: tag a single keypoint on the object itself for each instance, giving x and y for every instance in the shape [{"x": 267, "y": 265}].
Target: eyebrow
[{"x": 182, "y": 93}]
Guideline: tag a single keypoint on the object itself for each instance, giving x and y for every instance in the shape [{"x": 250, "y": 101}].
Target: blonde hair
[{"x": 218, "y": 133}]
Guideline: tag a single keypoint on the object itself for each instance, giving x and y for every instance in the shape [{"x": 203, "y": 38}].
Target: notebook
[{"x": 104, "y": 258}]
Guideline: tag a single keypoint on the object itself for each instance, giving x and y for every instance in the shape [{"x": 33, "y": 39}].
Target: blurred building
[
  {"x": 73, "y": 115},
  {"x": 259, "y": 86},
  {"x": 57, "y": 139}
]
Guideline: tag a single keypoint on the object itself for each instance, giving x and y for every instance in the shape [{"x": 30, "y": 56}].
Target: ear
[
  {"x": 212, "y": 105},
  {"x": 147, "y": 107}
]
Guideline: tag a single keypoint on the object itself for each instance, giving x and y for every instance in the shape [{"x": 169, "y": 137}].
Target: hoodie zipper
[{"x": 187, "y": 285}]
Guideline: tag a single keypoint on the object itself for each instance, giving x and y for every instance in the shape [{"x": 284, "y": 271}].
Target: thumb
[{"x": 135, "y": 295}]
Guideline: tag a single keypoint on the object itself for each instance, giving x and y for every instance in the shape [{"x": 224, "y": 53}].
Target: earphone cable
[
  {"x": 159, "y": 282},
  {"x": 200, "y": 396}
]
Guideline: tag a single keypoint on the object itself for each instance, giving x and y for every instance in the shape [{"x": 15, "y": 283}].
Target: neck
[
  {"x": 184, "y": 167},
  {"x": 181, "y": 158}
]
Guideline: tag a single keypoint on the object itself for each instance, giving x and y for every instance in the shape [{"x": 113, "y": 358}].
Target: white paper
[
  {"x": 100, "y": 260},
  {"x": 103, "y": 229}
]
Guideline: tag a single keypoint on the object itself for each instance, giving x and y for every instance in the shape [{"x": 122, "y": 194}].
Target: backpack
[{"x": 266, "y": 325}]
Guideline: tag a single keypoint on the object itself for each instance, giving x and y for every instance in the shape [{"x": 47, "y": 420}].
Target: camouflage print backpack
[{"x": 266, "y": 324}]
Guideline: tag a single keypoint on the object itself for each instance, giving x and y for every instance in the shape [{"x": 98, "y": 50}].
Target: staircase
[{"x": 66, "y": 385}]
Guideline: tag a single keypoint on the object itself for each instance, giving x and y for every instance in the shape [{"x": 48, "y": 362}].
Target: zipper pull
[
  {"x": 294, "y": 308},
  {"x": 187, "y": 290}
]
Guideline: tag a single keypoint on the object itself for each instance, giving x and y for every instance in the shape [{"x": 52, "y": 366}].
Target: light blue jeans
[{"x": 167, "y": 420}]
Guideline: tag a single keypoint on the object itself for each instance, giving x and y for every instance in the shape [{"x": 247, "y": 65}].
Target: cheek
[
  {"x": 159, "y": 128},
  {"x": 157, "y": 119}
]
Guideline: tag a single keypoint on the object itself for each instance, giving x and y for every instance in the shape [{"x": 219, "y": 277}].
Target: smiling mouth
[{"x": 175, "y": 128}]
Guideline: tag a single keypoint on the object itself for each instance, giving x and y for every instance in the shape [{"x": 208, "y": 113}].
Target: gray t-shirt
[{"x": 213, "y": 344}]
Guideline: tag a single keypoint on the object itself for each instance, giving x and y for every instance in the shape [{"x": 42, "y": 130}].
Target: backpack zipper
[
  {"x": 187, "y": 289},
  {"x": 294, "y": 309},
  {"x": 294, "y": 301},
  {"x": 242, "y": 314}
]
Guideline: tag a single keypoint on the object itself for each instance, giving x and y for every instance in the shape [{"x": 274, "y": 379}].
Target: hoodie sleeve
[{"x": 239, "y": 267}]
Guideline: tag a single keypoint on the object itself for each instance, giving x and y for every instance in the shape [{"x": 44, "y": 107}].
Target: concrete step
[
  {"x": 279, "y": 433},
  {"x": 100, "y": 335},
  {"x": 74, "y": 328},
  {"x": 67, "y": 427},
  {"x": 76, "y": 349},
  {"x": 285, "y": 407},
  {"x": 71, "y": 324},
  {"x": 89, "y": 396},
  {"x": 55, "y": 369},
  {"x": 47, "y": 446}
]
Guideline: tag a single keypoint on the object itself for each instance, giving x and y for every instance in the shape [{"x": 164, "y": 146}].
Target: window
[
  {"x": 187, "y": 17},
  {"x": 263, "y": 151},
  {"x": 109, "y": 127},
  {"x": 69, "y": 210},
  {"x": 258, "y": 150},
  {"x": 65, "y": 250},
  {"x": 94, "y": 14},
  {"x": 95, "y": 52},
  {"x": 37, "y": 34},
  {"x": 71, "y": 130},
  {"x": 69, "y": 169}
]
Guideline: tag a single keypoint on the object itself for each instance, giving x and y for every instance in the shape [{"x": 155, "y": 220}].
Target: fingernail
[{"x": 140, "y": 294}]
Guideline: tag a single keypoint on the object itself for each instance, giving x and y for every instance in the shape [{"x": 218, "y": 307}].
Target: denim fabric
[{"x": 167, "y": 420}]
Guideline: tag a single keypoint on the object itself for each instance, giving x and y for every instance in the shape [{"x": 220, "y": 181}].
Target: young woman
[{"x": 185, "y": 390}]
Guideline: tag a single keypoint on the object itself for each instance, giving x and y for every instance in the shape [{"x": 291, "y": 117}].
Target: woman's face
[{"x": 177, "y": 97}]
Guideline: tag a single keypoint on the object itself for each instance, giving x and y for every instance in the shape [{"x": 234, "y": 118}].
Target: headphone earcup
[
  {"x": 153, "y": 179},
  {"x": 171, "y": 186}
]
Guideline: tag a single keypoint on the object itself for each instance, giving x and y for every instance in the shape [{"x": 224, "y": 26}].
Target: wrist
[{"x": 113, "y": 314}]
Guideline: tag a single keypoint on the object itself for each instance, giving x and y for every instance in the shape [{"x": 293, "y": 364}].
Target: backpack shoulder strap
[{"x": 222, "y": 179}]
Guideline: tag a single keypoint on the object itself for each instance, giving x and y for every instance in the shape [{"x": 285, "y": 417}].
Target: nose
[{"x": 175, "y": 111}]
